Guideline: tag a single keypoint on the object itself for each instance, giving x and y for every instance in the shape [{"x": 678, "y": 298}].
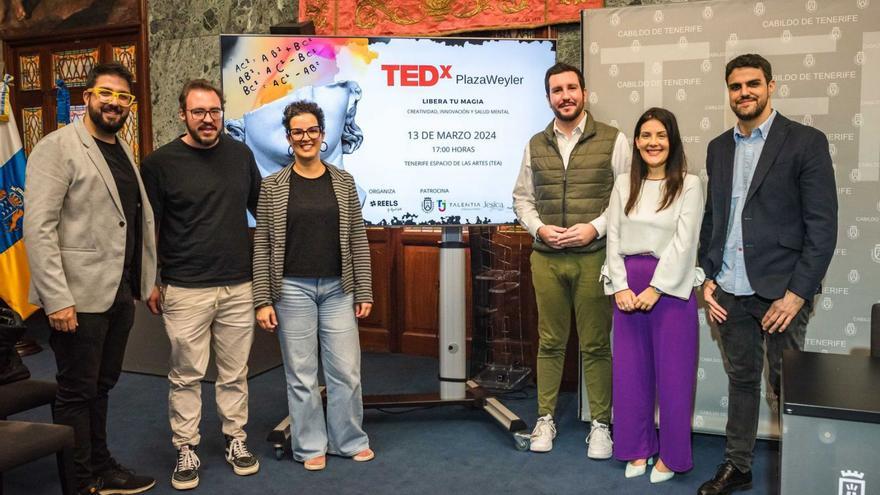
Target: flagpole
[{"x": 12, "y": 184}]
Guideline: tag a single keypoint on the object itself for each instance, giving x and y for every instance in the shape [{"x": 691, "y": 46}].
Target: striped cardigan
[{"x": 271, "y": 236}]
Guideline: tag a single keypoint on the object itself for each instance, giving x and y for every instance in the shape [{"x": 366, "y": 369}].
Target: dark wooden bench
[{"x": 23, "y": 442}]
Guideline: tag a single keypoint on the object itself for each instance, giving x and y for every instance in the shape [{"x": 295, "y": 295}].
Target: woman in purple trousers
[{"x": 653, "y": 228}]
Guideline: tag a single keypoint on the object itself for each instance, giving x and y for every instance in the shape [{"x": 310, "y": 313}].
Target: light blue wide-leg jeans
[{"x": 313, "y": 310}]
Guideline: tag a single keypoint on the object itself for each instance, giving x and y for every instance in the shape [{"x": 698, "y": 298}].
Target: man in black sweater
[{"x": 200, "y": 186}]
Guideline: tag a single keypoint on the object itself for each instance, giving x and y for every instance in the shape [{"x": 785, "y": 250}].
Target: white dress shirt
[
  {"x": 671, "y": 235},
  {"x": 524, "y": 189}
]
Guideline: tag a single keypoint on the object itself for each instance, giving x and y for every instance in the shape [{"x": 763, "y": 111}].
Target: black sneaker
[
  {"x": 186, "y": 474},
  {"x": 119, "y": 480},
  {"x": 241, "y": 459}
]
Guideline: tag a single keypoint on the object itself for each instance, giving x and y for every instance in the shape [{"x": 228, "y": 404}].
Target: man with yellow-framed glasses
[{"x": 91, "y": 250}]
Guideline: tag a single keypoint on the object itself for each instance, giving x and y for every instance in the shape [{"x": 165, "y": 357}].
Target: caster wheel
[
  {"x": 279, "y": 453},
  {"x": 522, "y": 440}
]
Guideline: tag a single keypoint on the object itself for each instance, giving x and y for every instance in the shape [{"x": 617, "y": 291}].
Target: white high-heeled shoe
[
  {"x": 658, "y": 476},
  {"x": 633, "y": 470}
]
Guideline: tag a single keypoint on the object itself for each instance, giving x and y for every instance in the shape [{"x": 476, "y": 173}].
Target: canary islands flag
[{"x": 14, "y": 275}]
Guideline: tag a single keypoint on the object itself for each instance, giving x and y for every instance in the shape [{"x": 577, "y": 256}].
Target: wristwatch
[{"x": 658, "y": 291}]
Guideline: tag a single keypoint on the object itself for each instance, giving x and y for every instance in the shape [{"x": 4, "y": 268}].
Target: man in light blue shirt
[
  {"x": 767, "y": 239},
  {"x": 733, "y": 277}
]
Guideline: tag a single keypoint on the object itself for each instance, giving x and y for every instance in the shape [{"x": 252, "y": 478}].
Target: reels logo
[{"x": 416, "y": 75}]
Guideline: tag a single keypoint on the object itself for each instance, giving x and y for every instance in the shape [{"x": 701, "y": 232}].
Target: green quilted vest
[{"x": 579, "y": 193}]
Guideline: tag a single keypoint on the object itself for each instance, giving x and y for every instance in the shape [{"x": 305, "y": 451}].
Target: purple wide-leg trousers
[{"x": 654, "y": 358}]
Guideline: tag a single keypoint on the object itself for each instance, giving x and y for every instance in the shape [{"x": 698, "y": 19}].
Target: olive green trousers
[{"x": 566, "y": 281}]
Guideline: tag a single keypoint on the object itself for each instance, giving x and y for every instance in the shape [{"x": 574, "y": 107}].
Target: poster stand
[{"x": 455, "y": 388}]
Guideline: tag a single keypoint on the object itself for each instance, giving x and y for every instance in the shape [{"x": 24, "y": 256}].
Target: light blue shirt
[{"x": 733, "y": 278}]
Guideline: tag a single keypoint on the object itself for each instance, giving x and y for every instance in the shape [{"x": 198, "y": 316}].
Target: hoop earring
[
  {"x": 290, "y": 151},
  {"x": 324, "y": 146}
]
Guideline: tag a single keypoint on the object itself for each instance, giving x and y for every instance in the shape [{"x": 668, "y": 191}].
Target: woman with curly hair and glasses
[{"x": 311, "y": 282}]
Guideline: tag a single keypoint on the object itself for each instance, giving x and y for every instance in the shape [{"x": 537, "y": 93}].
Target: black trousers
[
  {"x": 89, "y": 363},
  {"x": 743, "y": 345}
]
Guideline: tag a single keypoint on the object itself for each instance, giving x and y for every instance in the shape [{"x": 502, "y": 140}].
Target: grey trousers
[{"x": 743, "y": 345}]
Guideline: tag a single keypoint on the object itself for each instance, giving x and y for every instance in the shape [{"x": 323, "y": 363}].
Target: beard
[
  {"x": 97, "y": 117},
  {"x": 746, "y": 116},
  {"x": 194, "y": 134},
  {"x": 579, "y": 110}
]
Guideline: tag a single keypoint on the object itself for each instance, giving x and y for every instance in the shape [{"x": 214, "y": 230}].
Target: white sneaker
[
  {"x": 543, "y": 435},
  {"x": 599, "y": 441}
]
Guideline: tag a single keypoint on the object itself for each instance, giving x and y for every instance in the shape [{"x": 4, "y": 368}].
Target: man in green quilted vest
[{"x": 560, "y": 197}]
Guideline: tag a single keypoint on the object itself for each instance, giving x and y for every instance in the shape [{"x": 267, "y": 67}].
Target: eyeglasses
[
  {"x": 200, "y": 113},
  {"x": 108, "y": 95},
  {"x": 300, "y": 134}
]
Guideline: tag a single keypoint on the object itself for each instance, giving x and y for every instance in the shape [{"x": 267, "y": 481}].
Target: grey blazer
[
  {"x": 271, "y": 236},
  {"x": 74, "y": 226}
]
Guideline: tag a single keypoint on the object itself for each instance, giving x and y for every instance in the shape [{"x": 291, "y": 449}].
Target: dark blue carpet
[{"x": 453, "y": 450}]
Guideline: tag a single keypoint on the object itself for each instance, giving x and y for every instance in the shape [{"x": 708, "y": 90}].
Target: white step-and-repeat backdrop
[{"x": 826, "y": 63}]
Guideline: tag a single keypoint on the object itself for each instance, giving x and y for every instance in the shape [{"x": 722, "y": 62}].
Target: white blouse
[{"x": 671, "y": 235}]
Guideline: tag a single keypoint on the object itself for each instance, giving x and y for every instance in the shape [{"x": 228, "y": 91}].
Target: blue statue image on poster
[{"x": 262, "y": 129}]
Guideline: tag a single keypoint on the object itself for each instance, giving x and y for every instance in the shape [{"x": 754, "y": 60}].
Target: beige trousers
[{"x": 194, "y": 320}]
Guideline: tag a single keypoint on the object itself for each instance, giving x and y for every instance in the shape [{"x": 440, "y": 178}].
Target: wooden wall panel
[
  {"x": 376, "y": 330},
  {"x": 420, "y": 298}
]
